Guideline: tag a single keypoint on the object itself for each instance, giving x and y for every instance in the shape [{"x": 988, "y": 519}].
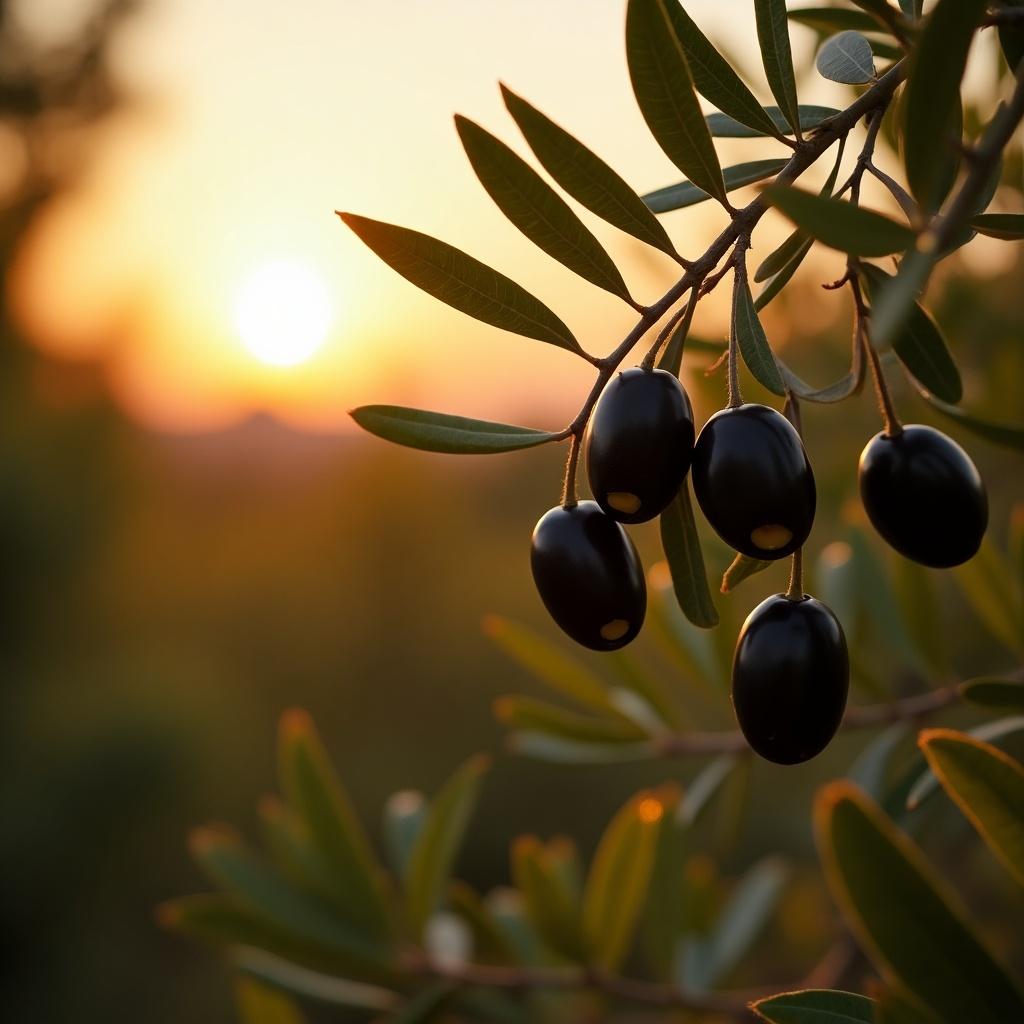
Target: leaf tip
[
  {"x": 492, "y": 625},
  {"x": 296, "y": 723}
]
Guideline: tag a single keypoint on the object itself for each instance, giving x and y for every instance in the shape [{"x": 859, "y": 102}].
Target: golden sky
[{"x": 257, "y": 119}]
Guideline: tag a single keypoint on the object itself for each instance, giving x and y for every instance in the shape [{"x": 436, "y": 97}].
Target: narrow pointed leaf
[
  {"x": 257, "y": 886},
  {"x": 904, "y": 915},
  {"x": 685, "y": 561},
  {"x": 558, "y": 750},
  {"x": 984, "y": 582},
  {"x": 927, "y": 783},
  {"x": 1011, "y": 39},
  {"x": 442, "y": 432},
  {"x": 261, "y": 1004},
  {"x": 1009, "y": 226},
  {"x": 871, "y": 769},
  {"x": 815, "y": 1006},
  {"x": 773, "y": 37},
  {"x": 315, "y": 793},
  {"x": 753, "y": 342},
  {"x": 536, "y": 209},
  {"x": 783, "y": 276},
  {"x": 742, "y": 568},
  {"x": 846, "y": 58},
  {"x": 1009, "y": 435},
  {"x": 675, "y": 197},
  {"x": 920, "y": 345},
  {"x": 548, "y": 662},
  {"x": 987, "y": 785},
  {"x": 714, "y": 77},
  {"x": 438, "y": 842},
  {"x": 531, "y": 715},
  {"x": 1005, "y": 694},
  {"x": 707, "y": 960},
  {"x": 826, "y": 20},
  {"x": 617, "y": 882},
  {"x": 226, "y": 921},
  {"x": 461, "y": 281},
  {"x": 933, "y": 94},
  {"x": 551, "y": 907},
  {"x": 701, "y": 792},
  {"x": 897, "y": 298},
  {"x": 664, "y": 91},
  {"x": 312, "y": 985},
  {"x": 722, "y": 126},
  {"x": 404, "y": 815},
  {"x": 585, "y": 176},
  {"x": 839, "y": 224}
]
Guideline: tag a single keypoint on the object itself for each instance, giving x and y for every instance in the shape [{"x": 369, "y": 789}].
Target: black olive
[
  {"x": 639, "y": 444},
  {"x": 924, "y": 495},
  {"x": 790, "y": 676},
  {"x": 589, "y": 576},
  {"x": 753, "y": 481}
]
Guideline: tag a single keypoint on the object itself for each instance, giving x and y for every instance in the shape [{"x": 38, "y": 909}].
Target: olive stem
[
  {"x": 892, "y": 425},
  {"x": 739, "y": 281},
  {"x": 652, "y": 353},
  {"x": 741, "y": 225},
  {"x": 795, "y": 590},
  {"x": 569, "y": 499}
]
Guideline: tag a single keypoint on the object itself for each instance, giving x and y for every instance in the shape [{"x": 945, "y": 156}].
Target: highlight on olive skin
[
  {"x": 790, "y": 678},
  {"x": 753, "y": 481},
  {"x": 589, "y": 576},
  {"x": 924, "y": 495},
  {"x": 639, "y": 444}
]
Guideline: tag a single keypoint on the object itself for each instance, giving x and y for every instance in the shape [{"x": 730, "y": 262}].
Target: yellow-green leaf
[
  {"x": 438, "y": 842},
  {"x": 619, "y": 875},
  {"x": 906, "y": 918},
  {"x": 987, "y": 785},
  {"x": 532, "y": 715},
  {"x": 550, "y": 904},
  {"x": 261, "y": 1004}
]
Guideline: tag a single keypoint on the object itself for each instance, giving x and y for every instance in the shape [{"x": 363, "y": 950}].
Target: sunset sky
[{"x": 211, "y": 202}]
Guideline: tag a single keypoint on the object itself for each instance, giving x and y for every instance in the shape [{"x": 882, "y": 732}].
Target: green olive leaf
[
  {"x": 461, "y": 281},
  {"x": 527, "y": 714},
  {"x": 846, "y": 58},
  {"x": 840, "y": 224},
  {"x": 441, "y": 432},
  {"x": 585, "y": 176},
  {"x": 665, "y": 94},
  {"x": 1008, "y": 226},
  {"x": 753, "y": 343},
  {"x": 685, "y": 193},
  {"x": 987, "y": 785},
  {"x": 815, "y": 1006},
  {"x": 537, "y": 210},
  {"x": 933, "y": 96},
  {"x": 722, "y": 126},
  {"x": 826, "y": 20},
  {"x": 905, "y": 917},
  {"x": 685, "y": 561},
  {"x": 1004, "y": 694},
  {"x": 773, "y": 37}
]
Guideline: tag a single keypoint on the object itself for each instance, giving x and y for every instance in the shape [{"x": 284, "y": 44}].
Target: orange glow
[{"x": 650, "y": 810}]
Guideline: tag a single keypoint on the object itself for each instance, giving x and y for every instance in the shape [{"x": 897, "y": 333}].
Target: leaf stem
[{"x": 569, "y": 499}]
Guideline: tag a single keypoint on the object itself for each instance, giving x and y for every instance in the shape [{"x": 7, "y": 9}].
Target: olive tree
[{"x": 320, "y": 916}]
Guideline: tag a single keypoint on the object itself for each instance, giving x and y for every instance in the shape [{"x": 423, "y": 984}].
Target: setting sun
[{"x": 282, "y": 312}]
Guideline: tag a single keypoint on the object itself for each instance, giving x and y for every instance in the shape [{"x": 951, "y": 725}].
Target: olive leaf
[
  {"x": 675, "y": 197},
  {"x": 782, "y": 276},
  {"x": 527, "y": 714},
  {"x": 723, "y": 126},
  {"x": 1005, "y": 694},
  {"x": 752, "y": 341},
  {"x": 987, "y": 785},
  {"x": 441, "y": 432},
  {"x": 742, "y": 568},
  {"x": 840, "y": 224},
  {"x": 1008, "y": 226},
  {"x": 932, "y": 96},
  {"x": 905, "y": 917},
  {"x": 815, "y": 1006},
  {"x": 826, "y": 20},
  {"x": 715, "y": 79},
  {"x": 551, "y": 905},
  {"x": 261, "y": 1004},
  {"x": 846, "y": 58},
  {"x": 461, "y": 281},
  {"x": 1007, "y": 434},
  {"x": 920, "y": 344},
  {"x": 776, "y": 56},
  {"x": 585, "y": 176},
  {"x": 686, "y": 563},
  {"x": 537, "y": 210},
  {"x": 664, "y": 92}
]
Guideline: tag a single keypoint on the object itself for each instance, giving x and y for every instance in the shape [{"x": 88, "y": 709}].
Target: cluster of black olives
[{"x": 754, "y": 484}]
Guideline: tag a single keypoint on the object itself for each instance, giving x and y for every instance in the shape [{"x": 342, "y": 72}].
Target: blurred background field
[{"x": 192, "y": 538}]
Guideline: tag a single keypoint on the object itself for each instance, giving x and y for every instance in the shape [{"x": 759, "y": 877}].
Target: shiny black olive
[
  {"x": 790, "y": 676},
  {"x": 753, "y": 481},
  {"x": 589, "y": 576},
  {"x": 639, "y": 444},
  {"x": 924, "y": 495}
]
